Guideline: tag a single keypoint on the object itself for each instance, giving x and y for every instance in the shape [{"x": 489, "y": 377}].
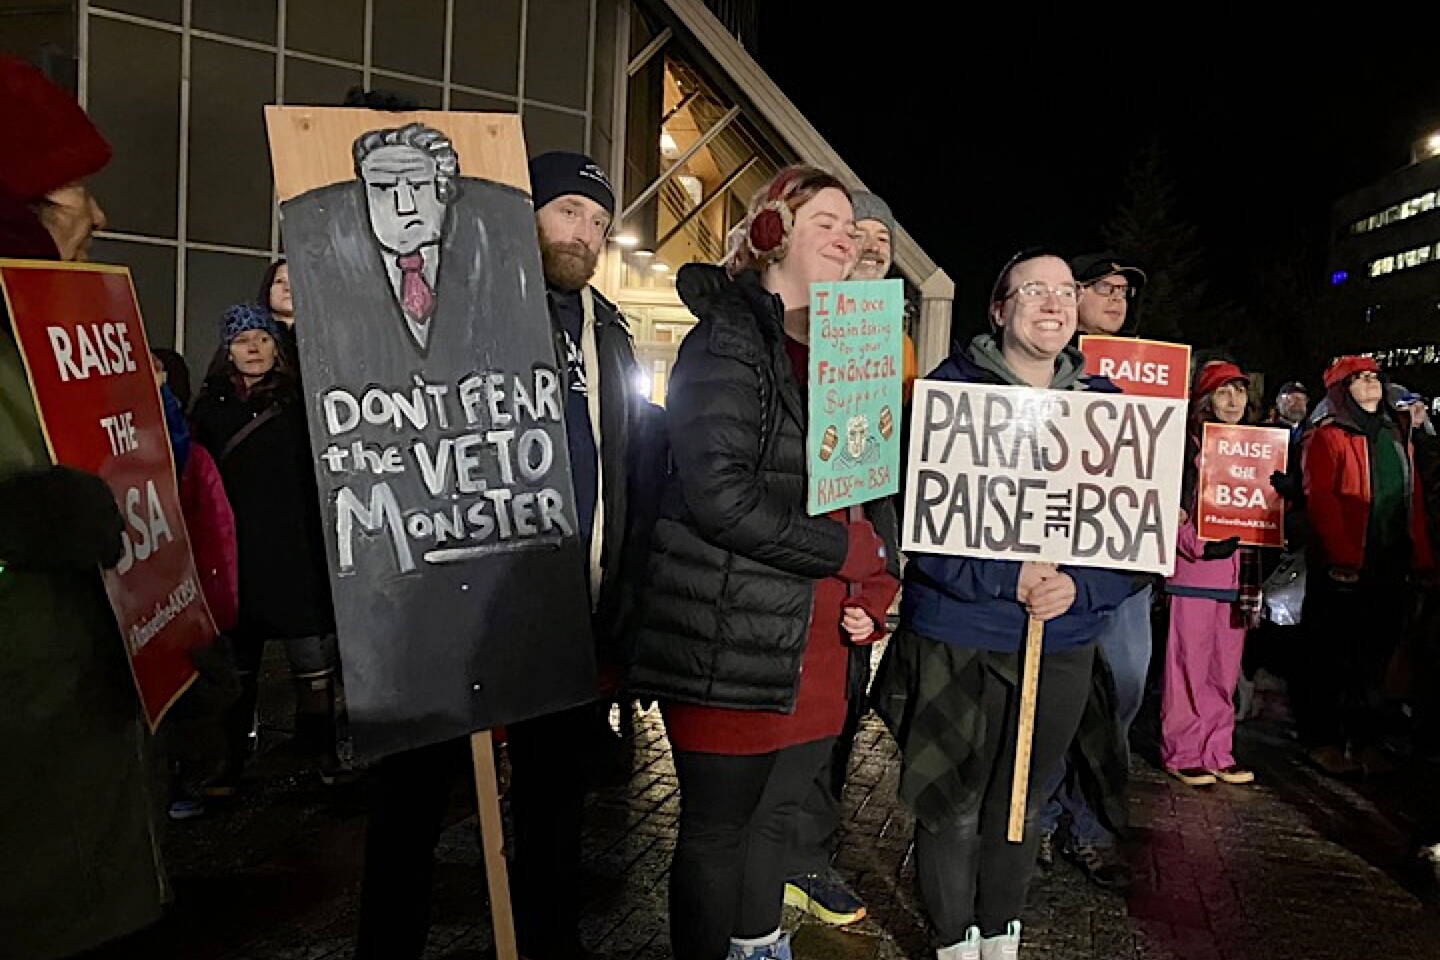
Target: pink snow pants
[{"x": 1202, "y": 665}]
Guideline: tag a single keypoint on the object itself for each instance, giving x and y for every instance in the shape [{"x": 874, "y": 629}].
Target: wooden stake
[
  {"x": 492, "y": 841},
  {"x": 1025, "y": 736}
]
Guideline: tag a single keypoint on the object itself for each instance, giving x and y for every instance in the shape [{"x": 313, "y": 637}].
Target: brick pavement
[{"x": 1295, "y": 868}]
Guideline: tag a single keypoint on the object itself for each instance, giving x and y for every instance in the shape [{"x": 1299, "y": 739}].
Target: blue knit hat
[{"x": 246, "y": 316}]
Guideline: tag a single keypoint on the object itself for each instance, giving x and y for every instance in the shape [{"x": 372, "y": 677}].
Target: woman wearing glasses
[
  {"x": 948, "y": 687},
  {"x": 1367, "y": 517}
]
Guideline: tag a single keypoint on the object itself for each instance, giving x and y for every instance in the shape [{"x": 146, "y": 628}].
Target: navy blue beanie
[
  {"x": 558, "y": 173},
  {"x": 246, "y": 316}
]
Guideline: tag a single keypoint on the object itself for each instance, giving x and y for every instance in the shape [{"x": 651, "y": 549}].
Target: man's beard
[{"x": 568, "y": 265}]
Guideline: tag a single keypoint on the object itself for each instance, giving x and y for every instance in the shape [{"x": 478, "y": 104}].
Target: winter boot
[
  {"x": 315, "y": 726},
  {"x": 967, "y": 949},
  {"x": 240, "y": 730},
  {"x": 1006, "y": 946}
]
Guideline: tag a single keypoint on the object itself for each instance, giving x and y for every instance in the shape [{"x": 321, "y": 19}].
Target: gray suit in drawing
[{"x": 446, "y": 648}]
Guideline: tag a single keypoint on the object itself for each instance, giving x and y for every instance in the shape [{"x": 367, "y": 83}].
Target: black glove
[
  {"x": 58, "y": 518},
  {"x": 1221, "y": 549},
  {"x": 1285, "y": 485}
]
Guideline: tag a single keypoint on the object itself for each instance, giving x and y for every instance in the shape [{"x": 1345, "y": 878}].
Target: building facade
[
  {"x": 663, "y": 92},
  {"x": 1385, "y": 269}
]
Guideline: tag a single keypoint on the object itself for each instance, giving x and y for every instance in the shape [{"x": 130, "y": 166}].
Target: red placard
[
  {"x": 79, "y": 331},
  {"x": 1235, "y": 496},
  {"x": 1141, "y": 368}
]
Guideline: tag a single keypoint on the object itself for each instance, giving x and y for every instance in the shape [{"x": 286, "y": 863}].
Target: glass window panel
[
  {"x": 252, "y": 20},
  {"x": 135, "y": 101},
  {"x": 152, "y": 267},
  {"x": 460, "y": 100},
  {"x": 214, "y": 281},
  {"x": 409, "y": 37},
  {"x": 167, "y": 10},
  {"x": 317, "y": 84},
  {"x": 486, "y": 38},
  {"x": 229, "y": 184},
  {"x": 330, "y": 28},
  {"x": 557, "y": 56},
  {"x": 547, "y": 130}
]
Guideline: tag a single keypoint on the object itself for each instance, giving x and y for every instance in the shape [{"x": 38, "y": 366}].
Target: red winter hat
[
  {"x": 1343, "y": 367},
  {"x": 1215, "y": 375},
  {"x": 52, "y": 142}
]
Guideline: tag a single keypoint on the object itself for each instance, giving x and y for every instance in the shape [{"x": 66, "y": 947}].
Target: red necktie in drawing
[{"x": 416, "y": 297}]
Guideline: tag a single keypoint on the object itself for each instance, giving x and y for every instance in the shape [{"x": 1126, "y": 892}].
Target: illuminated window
[
  {"x": 1405, "y": 260},
  {"x": 1404, "y": 210}
]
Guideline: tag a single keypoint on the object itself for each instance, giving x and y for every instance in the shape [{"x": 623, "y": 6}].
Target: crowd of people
[{"x": 714, "y": 591}]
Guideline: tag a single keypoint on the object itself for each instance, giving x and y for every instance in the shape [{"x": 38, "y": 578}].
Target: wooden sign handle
[
  {"x": 492, "y": 842},
  {"x": 1025, "y": 735}
]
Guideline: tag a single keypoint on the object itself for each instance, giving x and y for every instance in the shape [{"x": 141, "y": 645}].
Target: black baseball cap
[{"x": 1089, "y": 267}]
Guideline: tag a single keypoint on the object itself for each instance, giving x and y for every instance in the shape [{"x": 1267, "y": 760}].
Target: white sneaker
[
  {"x": 967, "y": 949},
  {"x": 1004, "y": 947}
]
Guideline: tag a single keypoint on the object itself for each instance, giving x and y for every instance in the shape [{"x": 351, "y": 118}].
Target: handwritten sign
[
  {"x": 80, "y": 334},
  {"x": 857, "y": 333},
  {"x": 458, "y": 565},
  {"x": 1140, "y": 368},
  {"x": 1014, "y": 473},
  {"x": 1235, "y": 498}
]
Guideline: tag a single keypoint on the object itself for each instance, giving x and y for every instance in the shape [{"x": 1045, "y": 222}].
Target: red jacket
[
  {"x": 1337, "y": 496},
  {"x": 211, "y": 525}
]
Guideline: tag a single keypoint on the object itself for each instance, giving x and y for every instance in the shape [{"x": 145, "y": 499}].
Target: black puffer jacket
[{"x": 734, "y": 556}]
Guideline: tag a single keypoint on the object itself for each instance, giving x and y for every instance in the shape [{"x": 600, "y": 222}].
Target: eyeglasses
[
  {"x": 1107, "y": 289},
  {"x": 1036, "y": 290},
  {"x": 1367, "y": 376}
]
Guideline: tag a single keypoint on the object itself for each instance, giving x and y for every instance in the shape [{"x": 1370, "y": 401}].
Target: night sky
[{"x": 981, "y": 148}]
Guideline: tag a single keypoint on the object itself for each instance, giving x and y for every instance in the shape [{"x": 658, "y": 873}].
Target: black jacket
[
  {"x": 269, "y": 480},
  {"x": 734, "y": 556},
  {"x": 620, "y": 416}
]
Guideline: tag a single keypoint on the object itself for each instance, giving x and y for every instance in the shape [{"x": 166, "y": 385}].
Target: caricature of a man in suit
[
  {"x": 410, "y": 177},
  {"x": 410, "y": 260}
]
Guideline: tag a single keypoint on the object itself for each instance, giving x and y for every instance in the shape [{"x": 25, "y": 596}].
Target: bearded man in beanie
[
  {"x": 574, "y": 205},
  {"x": 1108, "y": 287},
  {"x": 76, "y": 830}
]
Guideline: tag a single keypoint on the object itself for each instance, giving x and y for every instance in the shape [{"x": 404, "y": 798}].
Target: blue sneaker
[
  {"x": 779, "y": 950},
  {"x": 826, "y": 896},
  {"x": 186, "y": 809}
]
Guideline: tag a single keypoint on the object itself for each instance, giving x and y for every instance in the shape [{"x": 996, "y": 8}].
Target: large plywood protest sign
[
  {"x": 1234, "y": 495},
  {"x": 1013, "y": 473},
  {"x": 1140, "y": 368},
  {"x": 436, "y": 420},
  {"x": 83, "y": 343},
  {"x": 856, "y": 338}
]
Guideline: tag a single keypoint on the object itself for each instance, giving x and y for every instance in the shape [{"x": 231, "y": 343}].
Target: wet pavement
[{"x": 1296, "y": 867}]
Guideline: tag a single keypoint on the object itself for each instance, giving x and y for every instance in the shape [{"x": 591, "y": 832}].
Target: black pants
[
  {"x": 407, "y": 813},
  {"x": 728, "y": 876},
  {"x": 1353, "y": 631},
  {"x": 968, "y": 871},
  {"x": 816, "y": 832}
]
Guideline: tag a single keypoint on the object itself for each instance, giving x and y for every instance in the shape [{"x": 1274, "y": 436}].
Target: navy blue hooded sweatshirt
[{"x": 971, "y": 603}]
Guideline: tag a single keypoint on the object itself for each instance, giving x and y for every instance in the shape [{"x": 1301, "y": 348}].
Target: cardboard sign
[
  {"x": 1235, "y": 498},
  {"x": 436, "y": 419},
  {"x": 80, "y": 334},
  {"x": 857, "y": 336},
  {"x": 1013, "y": 473},
  {"x": 1141, "y": 368}
]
